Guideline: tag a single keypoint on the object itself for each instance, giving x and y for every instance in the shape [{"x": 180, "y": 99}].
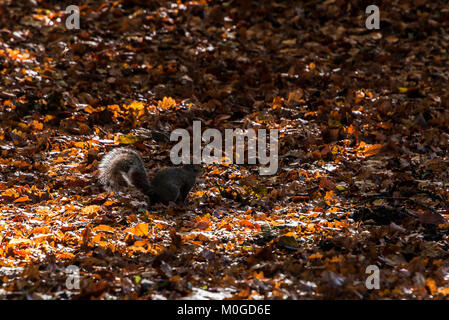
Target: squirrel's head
[{"x": 197, "y": 169}]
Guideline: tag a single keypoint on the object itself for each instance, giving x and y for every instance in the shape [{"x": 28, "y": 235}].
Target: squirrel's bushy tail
[
  {"x": 106, "y": 167},
  {"x": 123, "y": 167}
]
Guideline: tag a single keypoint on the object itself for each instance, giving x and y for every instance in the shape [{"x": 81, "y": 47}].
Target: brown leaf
[{"x": 428, "y": 217}]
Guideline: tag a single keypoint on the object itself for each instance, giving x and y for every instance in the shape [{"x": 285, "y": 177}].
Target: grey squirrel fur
[{"x": 124, "y": 167}]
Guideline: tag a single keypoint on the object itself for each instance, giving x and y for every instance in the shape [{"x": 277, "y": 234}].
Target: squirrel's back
[
  {"x": 173, "y": 184},
  {"x": 178, "y": 176}
]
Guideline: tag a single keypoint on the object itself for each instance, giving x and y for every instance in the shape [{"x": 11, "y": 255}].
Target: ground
[{"x": 363, "y": 149}]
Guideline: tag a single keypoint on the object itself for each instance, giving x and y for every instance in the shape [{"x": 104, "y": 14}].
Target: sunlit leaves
[
  {"x": 344, "y": 133},
  {"x": 368, "y": 150},
  {"x": 128, "y": 139},
  {"x": 89, "y": 210},
  {"x": 104, "y": 228},
  {"x": 139, "y": 230},
  {"x": 16, "y": 54},
  {"x": 166, "y": 103}
]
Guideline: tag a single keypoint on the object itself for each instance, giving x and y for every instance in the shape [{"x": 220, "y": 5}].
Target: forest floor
[{"x": 363, "y": 126}]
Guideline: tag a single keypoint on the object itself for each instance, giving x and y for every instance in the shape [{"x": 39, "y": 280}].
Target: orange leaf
[
  {"x": 66, "y": 255},
  {"x": 22, "y": 199},
  {"x": 40, "y": 230},
  {"x": 103, "y": 227},
  {"x": 351, "y": 129},
  {"x": 90, "y": 209},
  {"x": 98, "y": 240},
  {"x": 108, "y": 203},
  {"x": 371, "y": 150},
  {"x": 258, "y": 276},
  {"x": 430, "y": 283},
  {"x": 139, "y": 230}
]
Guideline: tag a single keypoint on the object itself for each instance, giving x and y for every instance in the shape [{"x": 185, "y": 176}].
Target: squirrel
[{"x": 124, "y": 167}]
